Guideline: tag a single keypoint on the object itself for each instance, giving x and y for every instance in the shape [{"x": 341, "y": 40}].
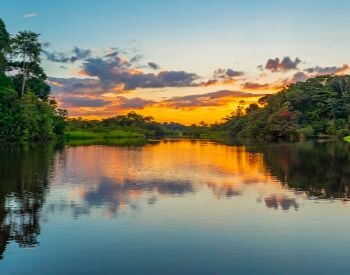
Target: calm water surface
[{"x": 176, "y": 207}]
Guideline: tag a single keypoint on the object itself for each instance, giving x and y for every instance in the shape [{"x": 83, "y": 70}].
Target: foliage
[
  {"x": 319, "y": 107},
  {"x": 4, "y": 46},
  {"x": 131, "y": 125},
  {"x": 84, "y": 134},
  {"x": 26, "y": 112}
]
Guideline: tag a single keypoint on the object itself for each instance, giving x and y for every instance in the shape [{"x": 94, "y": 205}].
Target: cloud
[
  {"x": 112, "y": 70},
  {"x": 207, "y": 99},
  {"x": 327, "y": 70},
  {"x": 74, "y": 101},
  {"x": 80, "y": 53},
  {"x": 255, "y": 86},
  {"x": 299, "y": 77},
  {"x": 210, "y": 82},
  {"x": 222, "y": 77},
  {"x": 134, "y": 103},
  {"x": 284, "y": 65},
  {"x": 28, "y": 15},
  {"x": 153, "y": 65},
  {"x": 268, "y": 87},
  {"x": 315, "y": 71},
  {"x": 74, "y": 85},
  {"x": 227, "y": 74},
  {"x": 103, "y": 107},
  {"x": 61, "y": 57},
  {"x": 46, "y": 44}
]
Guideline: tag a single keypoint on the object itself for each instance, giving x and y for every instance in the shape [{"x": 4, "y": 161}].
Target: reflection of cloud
[
  {"x": 284, "y": 202},
  {"x": 225, "y": 191},
  {"x": 114, "y": 194}
]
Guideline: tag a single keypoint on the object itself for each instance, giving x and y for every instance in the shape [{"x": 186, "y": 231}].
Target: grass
[
  {"x": 83, "y": 134},
  {"x": 107, "y": 141},
  {"x": 347, "y": 139}
]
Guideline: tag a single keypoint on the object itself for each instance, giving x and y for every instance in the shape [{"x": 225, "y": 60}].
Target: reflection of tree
[
  {"x": 322, "y": 170},
  {"x": 23, "y": 182}
]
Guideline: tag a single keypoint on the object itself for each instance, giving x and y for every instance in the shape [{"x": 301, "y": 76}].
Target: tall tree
[{"x": 26, "y": 49}]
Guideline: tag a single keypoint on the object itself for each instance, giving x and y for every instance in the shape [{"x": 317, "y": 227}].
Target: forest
[
  {"x": 316, "y": 108},
  {"x": 27, "y": 112}
]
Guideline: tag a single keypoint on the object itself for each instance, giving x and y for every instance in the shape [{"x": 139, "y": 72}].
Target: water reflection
[
  {"x": 23, "y": 182},
  {"x": 282, "y": 202},
  {"x": 103, "y": 181},
  {"x": 321, "y": 169}
]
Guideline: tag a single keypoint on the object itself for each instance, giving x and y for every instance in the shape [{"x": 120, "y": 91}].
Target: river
[{"x": 175, "y": 207}]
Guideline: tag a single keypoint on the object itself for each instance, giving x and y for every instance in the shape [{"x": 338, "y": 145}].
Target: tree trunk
[{"x": 24, "y": 74}]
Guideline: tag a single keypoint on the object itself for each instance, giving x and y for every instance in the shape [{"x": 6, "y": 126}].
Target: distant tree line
[
  {"x": 26, "y": 110},
  {"x": 132, "y": 122}
]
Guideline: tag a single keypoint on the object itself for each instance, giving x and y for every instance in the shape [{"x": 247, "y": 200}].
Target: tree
[
  {"x": 26, "y": 48},
  {"x": 26, "y": 114},
  {"x": 319, "y": 106},
  {"x": 4, "y": 46}
]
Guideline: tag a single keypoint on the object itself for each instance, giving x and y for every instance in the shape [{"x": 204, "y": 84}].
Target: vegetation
[
  {"x": 131, "y": 125},
  {"x": 26, "y": 111},
  {"x": 319, "y": 107}
]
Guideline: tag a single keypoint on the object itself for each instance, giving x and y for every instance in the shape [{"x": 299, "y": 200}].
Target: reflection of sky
[{"x": 112, "y": 179}]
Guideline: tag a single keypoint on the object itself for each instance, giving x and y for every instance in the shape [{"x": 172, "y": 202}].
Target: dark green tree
[
  {"x": 25, "y": 111},
  {"x": 26, "y": 50},
  {"x": 4, "y": 46}
]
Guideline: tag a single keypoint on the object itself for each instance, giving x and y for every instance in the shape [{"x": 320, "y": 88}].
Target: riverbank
[{"x": 116, "y": 134}]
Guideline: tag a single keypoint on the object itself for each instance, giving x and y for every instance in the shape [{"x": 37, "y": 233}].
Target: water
[{"x": 176, "y": 207}]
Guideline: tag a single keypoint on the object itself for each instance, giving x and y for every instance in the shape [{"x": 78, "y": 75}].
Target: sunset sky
[{"x": 183, "y": 60}]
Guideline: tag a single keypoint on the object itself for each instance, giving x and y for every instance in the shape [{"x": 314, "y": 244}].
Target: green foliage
[
  {"x": 4, "y": 46},
  {"x": 25, "y": 53},
  {"x": 85, "y": 134},
  {"x": 26, "y": 113},
  {"x": 319, "y": 107},
  {"x": 131, "y": 125}
]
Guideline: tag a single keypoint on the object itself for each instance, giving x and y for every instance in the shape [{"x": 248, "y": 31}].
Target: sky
[{"x": 186, "y": 60}]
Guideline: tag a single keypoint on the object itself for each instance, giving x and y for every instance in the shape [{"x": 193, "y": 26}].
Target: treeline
[
  {"x": 319, "y": 107},
  {"x": 26, "y": 110},
  {"x": 131, "y": 125}
]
